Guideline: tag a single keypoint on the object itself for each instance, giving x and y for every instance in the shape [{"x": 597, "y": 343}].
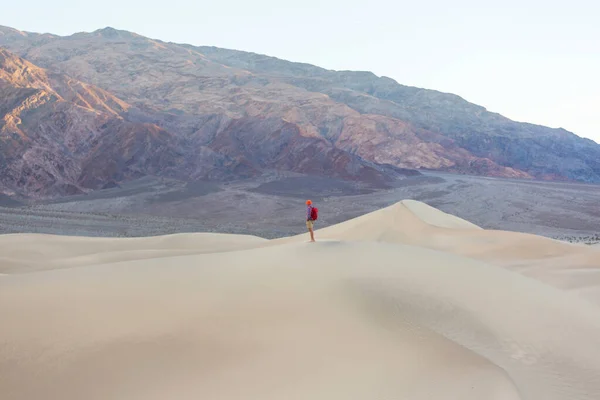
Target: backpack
[{"x": 314, "y": 213}]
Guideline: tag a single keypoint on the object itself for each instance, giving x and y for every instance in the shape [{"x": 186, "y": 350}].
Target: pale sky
[{"x": 536, "y": 61}]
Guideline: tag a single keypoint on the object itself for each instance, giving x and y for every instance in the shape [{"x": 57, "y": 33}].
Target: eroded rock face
[
  {"x": 60, "y": 136},
  {"x": 149, "y": 107},
  {"x": 52, "y": 126}
]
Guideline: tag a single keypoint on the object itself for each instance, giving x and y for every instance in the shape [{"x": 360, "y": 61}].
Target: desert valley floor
[{"x": 273, "y": 206}]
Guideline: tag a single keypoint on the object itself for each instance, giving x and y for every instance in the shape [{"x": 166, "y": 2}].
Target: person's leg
[{"x": 310, "y": 226}]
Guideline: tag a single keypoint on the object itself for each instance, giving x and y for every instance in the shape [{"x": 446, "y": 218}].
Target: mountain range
[{"x": 91, "y": 110}]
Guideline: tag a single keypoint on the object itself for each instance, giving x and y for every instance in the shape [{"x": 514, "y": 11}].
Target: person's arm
[{"x": 308, "y": 213}]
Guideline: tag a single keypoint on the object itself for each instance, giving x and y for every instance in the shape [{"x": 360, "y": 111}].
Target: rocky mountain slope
[
  {"x": 541, "y": 152},
  {"x": 244, "y": 113},
  {"x": 52, "y": 125},
  {"x": 60, "y": 136}
]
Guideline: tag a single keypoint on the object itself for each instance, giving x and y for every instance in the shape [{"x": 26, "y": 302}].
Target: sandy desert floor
[{"x": 406, "y": 302}]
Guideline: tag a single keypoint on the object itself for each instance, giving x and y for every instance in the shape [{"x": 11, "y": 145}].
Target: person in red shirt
[{"x": 310, "y": 223}]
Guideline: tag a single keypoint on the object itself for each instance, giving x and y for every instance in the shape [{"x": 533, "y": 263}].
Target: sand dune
[
  {"x": 403, "y": 303},
  {"x": 27, "y": 253},
  {"x": 560, "y": 264}
]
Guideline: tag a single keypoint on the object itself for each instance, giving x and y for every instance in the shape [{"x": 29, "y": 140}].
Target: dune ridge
[{"x": 404, "y": 303}]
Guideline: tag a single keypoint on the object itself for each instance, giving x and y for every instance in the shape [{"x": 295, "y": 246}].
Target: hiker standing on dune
[{"x": 312, "y": 213}]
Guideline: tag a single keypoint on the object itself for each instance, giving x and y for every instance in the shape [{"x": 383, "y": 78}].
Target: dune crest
[{"x": 404, "y": 303}]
